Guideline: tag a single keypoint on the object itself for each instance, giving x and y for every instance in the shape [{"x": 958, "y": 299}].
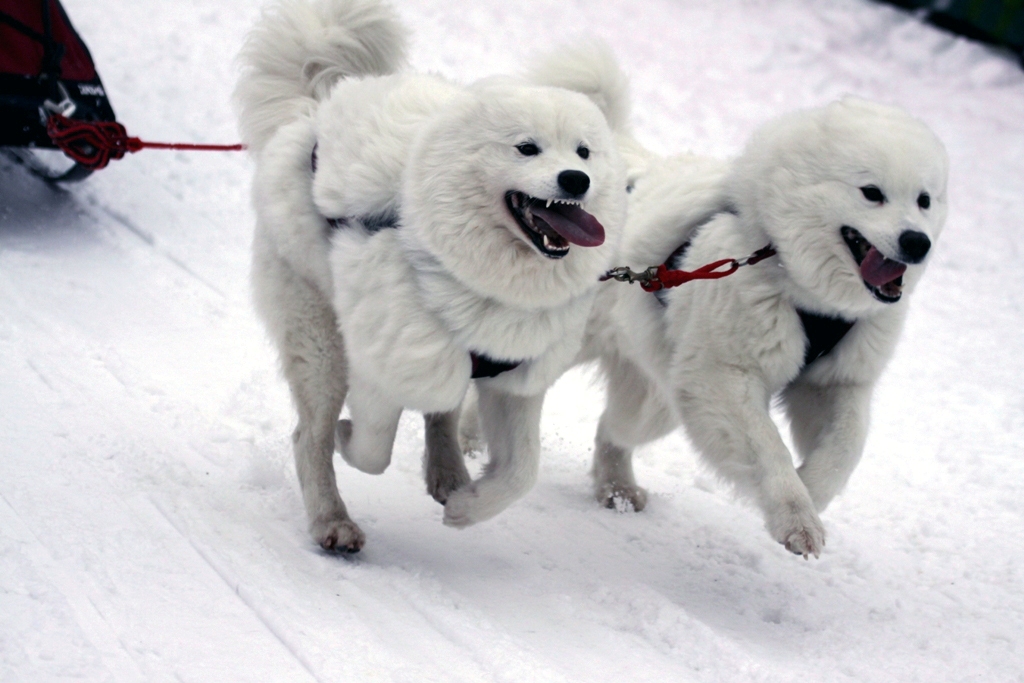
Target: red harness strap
[
  {"x": 662, "y": 277},
  {"x": 94, "y": 143}
]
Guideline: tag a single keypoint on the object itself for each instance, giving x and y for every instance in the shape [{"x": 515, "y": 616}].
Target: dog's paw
[
  {"x": 797, "y": 527},
  {"x": 460, "y": 508},
  {"x": 442, "y": 482},
  {"x": 339, "y": 534},
  {"x": 470, "y": 443},
  {"x": 622, "y": 497},
  {"x": 806, "y": 542}
]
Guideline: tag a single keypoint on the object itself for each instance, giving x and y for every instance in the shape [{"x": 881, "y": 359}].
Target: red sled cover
[{"x": 45, "y": 68}]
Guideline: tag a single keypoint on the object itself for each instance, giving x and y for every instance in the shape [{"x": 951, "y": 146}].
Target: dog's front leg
[
  {"x": 829, "y": 425},
  {"x": 366, "y": 441},
  {"x": 511, "y": 427},
  {"x": 444, "y": 468},
  {"x": 727, "y": 417}
]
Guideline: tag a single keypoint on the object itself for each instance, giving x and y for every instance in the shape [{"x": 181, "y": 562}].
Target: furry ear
[{"x": 588, "y": 67}]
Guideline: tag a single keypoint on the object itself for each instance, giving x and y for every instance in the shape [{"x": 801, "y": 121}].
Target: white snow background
[{"x": 151, "y": 527}]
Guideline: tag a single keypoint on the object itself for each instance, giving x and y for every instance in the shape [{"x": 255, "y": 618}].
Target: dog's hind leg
[
  {"x": 511, "y": 427},
  {"x": 444, "y": 468},
  {"x": 615, "y": 485},
  {"x": 470, "y": 440},
  {"x": 726, "y": 415},
  {"x": 303, "y": 325},
  {"x": 829, "y": 426},
  {"x": 366, "y": 441},
  {"x": 634, "y": 414}
]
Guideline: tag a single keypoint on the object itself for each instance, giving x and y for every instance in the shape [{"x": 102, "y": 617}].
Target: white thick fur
[
  {"x": 297, "y": 51},
  {"x": 590, "y": 67},
  {"x": 385, "y": 319},
  {"x": 717, "y": 354}
]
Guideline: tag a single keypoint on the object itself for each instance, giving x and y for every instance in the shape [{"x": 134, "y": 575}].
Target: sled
[{"x": 45, "y": 70}]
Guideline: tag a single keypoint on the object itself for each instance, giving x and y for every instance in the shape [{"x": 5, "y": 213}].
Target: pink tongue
[
  {"x": 877, "y": 270},
  {"x": 572, "y": 223}
]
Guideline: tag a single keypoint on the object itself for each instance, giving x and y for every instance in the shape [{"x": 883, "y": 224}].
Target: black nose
[
  {"x": 574, "y": 182},
  {"x": 914, "y": 245}
]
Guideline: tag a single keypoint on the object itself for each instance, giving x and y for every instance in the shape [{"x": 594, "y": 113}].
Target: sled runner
[{"x": 45, "y": 70}]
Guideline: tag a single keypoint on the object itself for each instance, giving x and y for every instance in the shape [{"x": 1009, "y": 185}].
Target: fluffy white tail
[
  {"x": 590, "y": 68},
  {"x": 300, "y": 48}
]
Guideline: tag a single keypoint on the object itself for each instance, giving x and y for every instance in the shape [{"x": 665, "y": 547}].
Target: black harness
[
  {"x": 822, "y": 333},
  {"x": 371, "y": 222},
  {"x": 488, "y": 367}
]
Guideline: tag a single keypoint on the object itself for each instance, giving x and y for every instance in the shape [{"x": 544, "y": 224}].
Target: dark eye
[
  {"x": 528, "y": 149},
  {"x": 583, "y": 152},
  {"x": 872, "y": 194},
  {"x": 923, "y": 200}
]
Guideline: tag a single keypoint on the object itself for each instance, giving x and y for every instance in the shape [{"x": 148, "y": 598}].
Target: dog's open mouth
[
  {"x": 882, "y": 275},
  {"x": 553, "y": 224}
]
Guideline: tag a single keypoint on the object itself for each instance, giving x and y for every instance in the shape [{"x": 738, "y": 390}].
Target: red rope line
[
  {"x": 94, "y": 143},
  {"x": 661, "y": 277},
  {"x": 665, "y": 278}
]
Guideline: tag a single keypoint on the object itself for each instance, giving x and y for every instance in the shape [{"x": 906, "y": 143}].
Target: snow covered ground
[{"x": 151, "y": 527}]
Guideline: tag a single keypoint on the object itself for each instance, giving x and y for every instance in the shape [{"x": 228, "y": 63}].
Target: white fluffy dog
[
  {"x": 413, "y": 234},
  {"x": 851, "y": 196}
]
